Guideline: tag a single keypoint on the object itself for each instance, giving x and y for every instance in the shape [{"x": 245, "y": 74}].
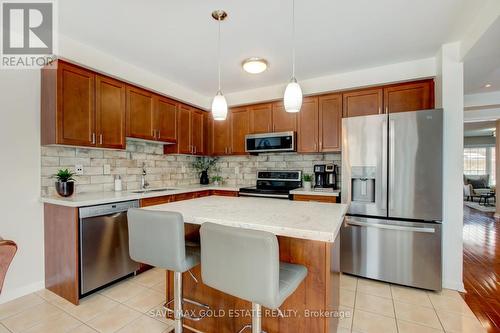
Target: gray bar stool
[
  {"x": 157, "y": 239},
  {"x": 245, "y": 264}
]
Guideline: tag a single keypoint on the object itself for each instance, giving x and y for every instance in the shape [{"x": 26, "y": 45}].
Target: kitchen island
[{"x": 307, "y": 235}]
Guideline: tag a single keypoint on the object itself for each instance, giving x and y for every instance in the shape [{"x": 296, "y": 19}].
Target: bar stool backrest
[
  {"x": 241, "y": 262},
  {"x": 156, "y": 238}
]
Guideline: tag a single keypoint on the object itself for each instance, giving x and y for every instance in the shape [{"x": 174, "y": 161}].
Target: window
[{"x": 480, "y": 161}]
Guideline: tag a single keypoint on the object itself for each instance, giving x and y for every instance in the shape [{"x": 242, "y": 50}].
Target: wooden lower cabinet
[
  {"x": 319, "y": 292},
  {"x": 316, "y": 198},
  {"x": 61, "y": 251},
  {"x": 224, "y": 193},
  {"x": 185, "y": 196}
]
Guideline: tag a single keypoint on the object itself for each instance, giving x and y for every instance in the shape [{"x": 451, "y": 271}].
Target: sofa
[{"x": 475, "y": 185}]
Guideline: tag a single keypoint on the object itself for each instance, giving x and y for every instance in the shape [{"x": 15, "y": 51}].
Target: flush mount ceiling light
[
  {"x": 219, "y": 104},
  {"x": 293, "y": 92},
  {"x": 487, "y": 85},
  {"x": 254, "y": 65}
]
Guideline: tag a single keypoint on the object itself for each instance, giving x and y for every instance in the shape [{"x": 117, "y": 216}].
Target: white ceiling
[
  {"x": 482, "y": 63},
  {"x": 177, "y": 39}
]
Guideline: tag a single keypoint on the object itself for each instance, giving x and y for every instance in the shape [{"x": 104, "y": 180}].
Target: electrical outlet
[{"x": 79, "y": 169}]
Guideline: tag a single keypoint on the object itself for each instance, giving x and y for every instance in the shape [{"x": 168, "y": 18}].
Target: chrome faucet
[{"x": 144, "y": 183}]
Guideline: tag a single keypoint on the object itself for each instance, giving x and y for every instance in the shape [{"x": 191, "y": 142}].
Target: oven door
[
  {"x": 270, "y": 142},
  {"x": 407, "y": 253}
]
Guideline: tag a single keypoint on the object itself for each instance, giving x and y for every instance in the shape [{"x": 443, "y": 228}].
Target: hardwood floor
[{"x": 482, "y": 267}]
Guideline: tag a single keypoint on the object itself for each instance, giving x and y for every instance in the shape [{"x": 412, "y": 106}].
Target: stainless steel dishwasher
[{"x": 104, "y": 255}]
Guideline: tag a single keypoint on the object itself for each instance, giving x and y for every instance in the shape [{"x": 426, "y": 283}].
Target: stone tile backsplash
[{"x": 100, "y": 166}]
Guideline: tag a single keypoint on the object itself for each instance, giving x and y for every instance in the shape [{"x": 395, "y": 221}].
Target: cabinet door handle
[
  {"x": 159, "y": 134},
  {"x": 386, "y": 109},
  {"x": 195, "y": 149},
  {"x": 100, "y": 139},
  {"x": 315, "y": 146},
  {"x": 93, "y": 138}
]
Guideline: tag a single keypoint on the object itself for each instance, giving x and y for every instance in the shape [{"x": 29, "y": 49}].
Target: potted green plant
[
  {"x": 217, "y": 180},
  {"x": 203, "y": 165},
  {"x": 307, "y": 181},
  {"x": 65, "y": 184}
]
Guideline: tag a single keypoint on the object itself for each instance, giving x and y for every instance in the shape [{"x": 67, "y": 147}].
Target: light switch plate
[{"x": 79, "y": 169}]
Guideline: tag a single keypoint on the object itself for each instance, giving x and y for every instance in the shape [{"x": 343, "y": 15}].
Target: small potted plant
[
  {"x": 307, "y": 181},
  {"x": 65, "y": 184},
  {"x": 217, "y": 180},
  {"x": 203, "y": 165}
]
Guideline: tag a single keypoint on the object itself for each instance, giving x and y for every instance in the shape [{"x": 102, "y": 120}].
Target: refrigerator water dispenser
[{"x": 363, "y": 184}]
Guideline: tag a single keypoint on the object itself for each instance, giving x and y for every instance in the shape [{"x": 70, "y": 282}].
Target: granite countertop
[
  {"x": 98, "y": 198},
  {"x": 326, "y": 192},
  {"x": 305, "y": 220}
]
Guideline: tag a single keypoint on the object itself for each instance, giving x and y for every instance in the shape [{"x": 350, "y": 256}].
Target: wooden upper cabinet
[
  {"x": 411, "y": 96},
  {"x": 261, "y": 118},
  {"x": 197, "y": 132},
  {"x": 363, "y": 102},
  {"x": 283, "y": 121},
  {"x": 166, "y": 120},
  {"x": 110, "y": 109},
  {"x": 307, "y": 134},
  {"x": 240, "y": 126},
  {"x": 184, "y": 145},
  {"x": 220, "y": 136},
  {"x": 75, "y": 106},
  {"x": 140, "y": 114},
  {"x": 330, "y": 123}
]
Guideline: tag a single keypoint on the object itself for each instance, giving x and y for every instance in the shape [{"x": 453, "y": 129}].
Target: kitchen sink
[{"x": 154, "y": 190}]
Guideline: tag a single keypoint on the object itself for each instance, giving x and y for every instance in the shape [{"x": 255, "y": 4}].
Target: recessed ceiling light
[
  {"x": 254, "y": 65},
  {"x": 487, "y": 85}
]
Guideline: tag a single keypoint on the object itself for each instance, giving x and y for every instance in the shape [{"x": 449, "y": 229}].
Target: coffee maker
[{"x": 325, "y": 176}]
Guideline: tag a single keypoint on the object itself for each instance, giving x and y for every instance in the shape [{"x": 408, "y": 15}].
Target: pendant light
[
  {"x": 293, "y": 92},
  {"x": 219, "y": 104}
]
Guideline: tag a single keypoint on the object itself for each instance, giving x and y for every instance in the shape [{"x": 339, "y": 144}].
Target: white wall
[
  {"x": 449, "y": 96},
  {"x": 21, "y": 213},
  {"x": 106, "y": 63}
]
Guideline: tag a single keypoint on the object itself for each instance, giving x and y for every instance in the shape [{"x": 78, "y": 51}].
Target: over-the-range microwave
[{"x": 270, "y": 142}]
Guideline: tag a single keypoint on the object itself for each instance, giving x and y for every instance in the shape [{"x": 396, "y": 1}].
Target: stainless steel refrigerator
[{"x": 392, "y": 181}]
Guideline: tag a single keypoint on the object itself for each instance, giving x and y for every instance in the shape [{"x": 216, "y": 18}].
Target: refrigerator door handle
[
  {"x": 388, "y": 226},
  {"x": 392, "y": 134},
  {"x": 383, "y": 186}
]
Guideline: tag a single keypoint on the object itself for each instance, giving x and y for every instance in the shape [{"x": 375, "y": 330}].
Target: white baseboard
[
  {"x": 454, "y": 285},
  {"x": 8, "y": 295}
]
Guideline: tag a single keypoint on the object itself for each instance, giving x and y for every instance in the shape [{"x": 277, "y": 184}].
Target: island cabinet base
[{"x": 312, "y": 308}]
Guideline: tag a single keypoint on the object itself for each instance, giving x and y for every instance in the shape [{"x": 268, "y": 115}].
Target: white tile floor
[
  {"x": 376, "y": 307},
  {"x": 131, "y": 307}
]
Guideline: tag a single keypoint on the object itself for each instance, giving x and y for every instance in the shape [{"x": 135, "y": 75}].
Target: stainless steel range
[{"x": 274, "y": 184}]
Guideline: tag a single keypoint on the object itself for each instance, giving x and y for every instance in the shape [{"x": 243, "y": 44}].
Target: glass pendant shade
[
  {"x": 293, "y": 97},
  {"x": 219, "y": 107}
]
